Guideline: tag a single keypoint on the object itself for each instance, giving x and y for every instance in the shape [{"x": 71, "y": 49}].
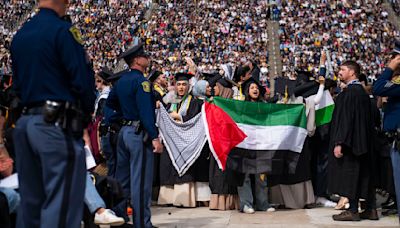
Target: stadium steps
[
  {"x": 394, "y": 19},
  {"x": 275, "y": 58}
]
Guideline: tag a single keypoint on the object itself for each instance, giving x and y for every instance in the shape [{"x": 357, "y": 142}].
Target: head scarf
[{"x": 199, "y": 89}]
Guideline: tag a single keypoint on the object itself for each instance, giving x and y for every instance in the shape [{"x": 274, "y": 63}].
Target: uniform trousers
[
  {"x": 52, "y": 173},
  {"x": 135, "y": 173}
]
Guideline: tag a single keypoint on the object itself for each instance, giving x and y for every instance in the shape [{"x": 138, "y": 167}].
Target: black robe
[
  {"x": 199, "y": 170},
  {"x": 352, "y": 127}
]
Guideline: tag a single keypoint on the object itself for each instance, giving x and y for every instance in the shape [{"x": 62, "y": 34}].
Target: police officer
[
  {"x": 109, "y": 129},
  {"x": 132, "y": 94},
  {"x": 388, "y": 85},
  {"x": 51, "y": 73}
]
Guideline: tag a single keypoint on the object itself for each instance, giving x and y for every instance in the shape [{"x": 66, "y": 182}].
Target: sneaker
[
  {"x": 324, "y": 202},
  {"x": 271, "y": 209},
  {"x": 248, "y": 210},
  {"x": 108, "y": 217}
]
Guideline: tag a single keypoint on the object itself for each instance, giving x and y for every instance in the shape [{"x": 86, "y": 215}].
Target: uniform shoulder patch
[
  {"x": 146, "y": 86},
  {"x": 76, "y": 34},
  {"x": 396, "y": 80}
]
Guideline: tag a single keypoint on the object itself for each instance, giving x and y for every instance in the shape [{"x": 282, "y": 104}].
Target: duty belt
[
  {"x": 130, "y": 123},
  {"x": 33, "y": 111}
]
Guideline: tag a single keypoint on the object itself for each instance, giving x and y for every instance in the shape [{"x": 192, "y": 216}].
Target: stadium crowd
[
  {"x": 11, "y": 14},
  {"x": 355, "y": 30},
  {"x": 224, "y": 41}
]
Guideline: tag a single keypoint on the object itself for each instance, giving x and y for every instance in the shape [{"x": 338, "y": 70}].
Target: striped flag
[
  {"x": 275, "y": 134},
  {"x": 324, "y": 109}
]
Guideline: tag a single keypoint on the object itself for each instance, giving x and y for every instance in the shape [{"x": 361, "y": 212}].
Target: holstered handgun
[{"x": 73, "y": 120}]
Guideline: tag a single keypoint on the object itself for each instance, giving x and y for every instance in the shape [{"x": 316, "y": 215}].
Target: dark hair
[
  {"x": 353, "y": 66},
  {"x": 247, "y": 94}
]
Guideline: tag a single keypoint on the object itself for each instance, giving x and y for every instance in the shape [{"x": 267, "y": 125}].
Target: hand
[
  {"x": 338, "y": 151},
  {"x": 157, "y": 146},
  {"x": 394, "y": 63},
  {"x": 158, "y": 104},
  {"x": 175, "y": 116},
  {"x": 6, "y": 166},
  {"x": 323, "y": 58},
  {"x": 321, "y": 80}
]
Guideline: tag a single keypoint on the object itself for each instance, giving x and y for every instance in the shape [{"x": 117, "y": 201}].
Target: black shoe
[
  {"x": 389, "y": 204},
  {"x": 347, "y": 216},
  {"x": 389, "y": 212},
  {"x": 369, "y": 214}
]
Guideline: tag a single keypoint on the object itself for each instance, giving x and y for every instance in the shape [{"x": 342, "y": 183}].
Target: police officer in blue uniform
[
  {"x": 51, "y": 73},
  {"x": 132, "y": 94},
  {"x": 388, "y": 85}
]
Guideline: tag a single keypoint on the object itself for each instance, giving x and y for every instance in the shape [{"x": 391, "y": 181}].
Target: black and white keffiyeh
[{"x": 184, "y": 141}]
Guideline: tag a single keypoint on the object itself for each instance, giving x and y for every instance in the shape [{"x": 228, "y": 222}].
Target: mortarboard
[
  {"x": 211, "y": 78},
  {"x": 225, "y": 83},
  {"x": 396, "y": 49},
  {"x": 154, "y": 75},
  {"x": 183, "y": 76},
  {"x": 281, "y": 84},
  {"x": 239, "y": 72},
  {"x": 105, "y": 73},
  {"x": 117, "y": 75}
]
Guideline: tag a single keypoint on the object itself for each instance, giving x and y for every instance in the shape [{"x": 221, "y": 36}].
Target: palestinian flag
[
  {"x": 324, "y": 110},
  {"x": 275, "y": 135}
]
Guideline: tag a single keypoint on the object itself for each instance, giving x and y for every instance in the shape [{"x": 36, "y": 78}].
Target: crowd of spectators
[
  {"x": 358, "y": 30},
  {"x": 11, "y": 14},
  {"x": 396, "y": 6},
  {"x": 108, "y": 27},
  {"x": 215, "y": 32},
  {"x": 209, "y": 32}
]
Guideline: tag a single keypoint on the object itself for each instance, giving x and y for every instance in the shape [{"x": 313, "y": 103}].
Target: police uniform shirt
[
  {"x": 385, "y": 86},
  {"x": 133, "y": 96},
  {"x": 50, "y": 63}
]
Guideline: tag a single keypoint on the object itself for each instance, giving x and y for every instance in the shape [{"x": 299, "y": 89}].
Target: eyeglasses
[{"x": 99, "y": 81}]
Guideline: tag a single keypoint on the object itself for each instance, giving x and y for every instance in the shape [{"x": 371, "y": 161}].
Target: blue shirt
[
  {"x": 384, "y": 87},
  {"x": 132, "y": 96},
  {"x": 111, "y": 116},
  {"x": 50, "y": 63}
]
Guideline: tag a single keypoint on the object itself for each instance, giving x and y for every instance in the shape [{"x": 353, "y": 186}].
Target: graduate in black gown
[
  {"x": 351, "y": 156},
  {"x": 174, "y": 189}
]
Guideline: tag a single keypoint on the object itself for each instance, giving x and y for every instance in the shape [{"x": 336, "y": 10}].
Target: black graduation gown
[
  {"x": 352, "y": 127},
  {"x": 199, "y": 170}
]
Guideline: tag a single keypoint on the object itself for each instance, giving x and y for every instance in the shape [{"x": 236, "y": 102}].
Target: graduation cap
[
  {"x": 154, "y": 75},
  {"x": 211, "y": 78},
  {"x": 225, "y": 83},
  {"x": 303, "y": 77},
  {"x": 135, "y": 51},
  {"x": 306, "y": 89},
  {"x": 183, "y": 76},
  {"x": 282, "y": 83},
  {"x": 206, "y": 76},
  {"x": 251, "y": 80},
  {"x": 105, "y": 73},
  {"x": 396, "y": 49},
  {"x": 117, "y": 75},
  {"x": 239, "y": 72}
]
